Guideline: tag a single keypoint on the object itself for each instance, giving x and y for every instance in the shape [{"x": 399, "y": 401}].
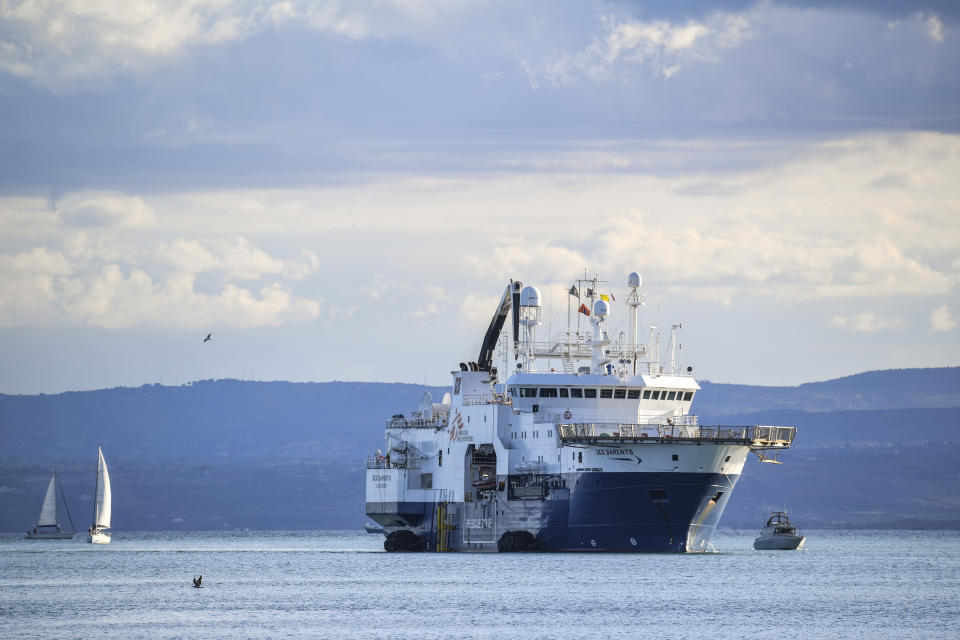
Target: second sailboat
[{"x": 97, "y": 533}]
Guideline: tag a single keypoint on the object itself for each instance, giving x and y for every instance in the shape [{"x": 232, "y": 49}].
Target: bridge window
[
  {"x": 688, "y": 396},
  {"x": 671, "y": 395},
  {"x": 675, "y": 457},
  {"x": 576, "y": 393},
  {"x": 606, "y": 393},
  {"x": 589, "y": 393},
  {"x": 580, "y": 456},
  {"x": 633, "y": 394},
  {"x": 528, "y": 392},
  {"x": 620, "y": 393},
  {"x": 548, "y": 392},
  {"x": 656, "y": 394},
  {"x": 646, "y": 394},
  {"x": 564, "y": 393}
]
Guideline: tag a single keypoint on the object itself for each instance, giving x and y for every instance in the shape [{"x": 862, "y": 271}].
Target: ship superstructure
[{"x": 588, "y": 445}]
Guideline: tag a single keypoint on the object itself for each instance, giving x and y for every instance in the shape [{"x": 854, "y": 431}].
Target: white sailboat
[
  {"x": 48, "y": 525},
  {"x": 97, "y": 533}
]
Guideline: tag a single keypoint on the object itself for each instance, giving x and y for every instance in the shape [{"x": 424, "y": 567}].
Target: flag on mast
[
  {"x": 584, "y": 310},
  {"x": 573, "y": 291}
]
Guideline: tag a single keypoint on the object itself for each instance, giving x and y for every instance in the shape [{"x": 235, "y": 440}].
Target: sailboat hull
[
  {"x": 49, "y": 535},
  {"x": 98, "y": 538}
]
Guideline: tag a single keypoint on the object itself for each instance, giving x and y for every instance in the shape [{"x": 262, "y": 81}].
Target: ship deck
[{"x": 754, "y": 436}]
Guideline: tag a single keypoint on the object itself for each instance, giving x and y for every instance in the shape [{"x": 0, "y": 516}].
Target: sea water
[{"x": 863, "y": 584}]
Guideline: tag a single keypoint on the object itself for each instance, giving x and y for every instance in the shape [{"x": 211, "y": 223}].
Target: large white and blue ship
[{"x": 589, "y": 443}]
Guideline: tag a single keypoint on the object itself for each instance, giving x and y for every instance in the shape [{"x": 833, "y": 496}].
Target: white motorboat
[
  {"x": 779, "y": 534},
  {"x": 97, "y": 534},
  {"x": 48, "y": 524}
]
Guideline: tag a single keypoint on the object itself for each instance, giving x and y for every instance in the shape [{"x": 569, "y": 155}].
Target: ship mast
[{"x": 634, "y": 300}]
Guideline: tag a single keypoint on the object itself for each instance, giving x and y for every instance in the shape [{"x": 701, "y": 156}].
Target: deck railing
[
  {"x": 374, "y": 462},
  {"x": 756, "y": 436},
  {"x": 436, "y": 422},
  {"x": 643, "y": 421},
  {"x": 486, "y": 398}
]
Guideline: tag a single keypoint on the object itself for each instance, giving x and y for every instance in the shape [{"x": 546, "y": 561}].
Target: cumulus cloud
[
  {"x": 941, "y": 319},
  {"x": 537, "y": 260},
  {"x": 55, "y": 38},
  {"x": 934, "y": 26},
  {"x": 811, "y": 229},
  {"x": 79, "y": 286},
  {"x": 113, "y": 299},
  {"x": 627, "y": 45},
  {"x": 123, "y": 212},
  {"x": 30, "y": 284},
  {"x": 430, "y": 309},
  {"x": 237, "y": 258},
  {"x": 867, "y": 322},
  {"x": 664, "y": 47}
]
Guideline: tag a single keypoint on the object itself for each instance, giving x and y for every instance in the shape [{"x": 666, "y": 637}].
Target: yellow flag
[{"x": 605, "y": 297}]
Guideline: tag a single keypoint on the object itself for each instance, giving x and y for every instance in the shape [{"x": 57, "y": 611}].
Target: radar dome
[
  {"x": 601, "y": 309},
  {"x": 633, "y": 280},
  {"x": 530, "y": 297}
]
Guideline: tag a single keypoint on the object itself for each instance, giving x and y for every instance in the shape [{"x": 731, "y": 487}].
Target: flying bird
[
  {"x": 209, "y": 337},
  {"x": 197, "y": 581}
]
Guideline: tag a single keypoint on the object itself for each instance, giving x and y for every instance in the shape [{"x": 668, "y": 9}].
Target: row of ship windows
[
  {"x": 622, "y": 394},
  {"x": 534, "y": 434}
]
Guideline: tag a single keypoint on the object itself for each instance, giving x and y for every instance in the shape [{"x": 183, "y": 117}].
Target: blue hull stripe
[{"x": 604, "y": 511}]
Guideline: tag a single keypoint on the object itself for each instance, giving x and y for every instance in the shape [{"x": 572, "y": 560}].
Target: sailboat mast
[
  {"x": 96, "y": 494},
  {"x": 56, "y": 507},
  {"x": 66, "y": 507}
]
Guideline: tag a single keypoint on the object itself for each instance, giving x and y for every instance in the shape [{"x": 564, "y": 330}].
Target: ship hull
[
  {"x": 99, "y": 537},
  {"x": 582, "y": 511},
  {"x": 779, "y": 543},
  {"x": 47, "y": 534}
]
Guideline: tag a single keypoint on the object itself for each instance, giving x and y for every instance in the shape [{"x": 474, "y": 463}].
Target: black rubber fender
[
  {"x": 516, "y": 542},
  {"x": 403, "y": 540}
]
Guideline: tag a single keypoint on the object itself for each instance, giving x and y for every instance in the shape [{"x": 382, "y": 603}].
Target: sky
[{"x": 342, "y": 190}]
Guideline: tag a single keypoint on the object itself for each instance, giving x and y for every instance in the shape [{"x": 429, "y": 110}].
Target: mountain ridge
[{"x": 872, "y": 448}]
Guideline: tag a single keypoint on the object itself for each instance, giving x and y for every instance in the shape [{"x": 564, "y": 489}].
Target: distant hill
[
  {"x": 873, "y": 449},
  {"x": 890, "y": 389},
  {"x": 207, "y": 421}
]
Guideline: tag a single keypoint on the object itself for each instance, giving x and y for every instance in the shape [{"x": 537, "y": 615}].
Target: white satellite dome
[
  {"x": 530, "y": 297},
  {"x": 601, "y": 309},
  {"x": 633, "y": 280}
]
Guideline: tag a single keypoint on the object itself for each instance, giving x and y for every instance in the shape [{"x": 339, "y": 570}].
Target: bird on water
[{"x": 197, "y": 581}]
